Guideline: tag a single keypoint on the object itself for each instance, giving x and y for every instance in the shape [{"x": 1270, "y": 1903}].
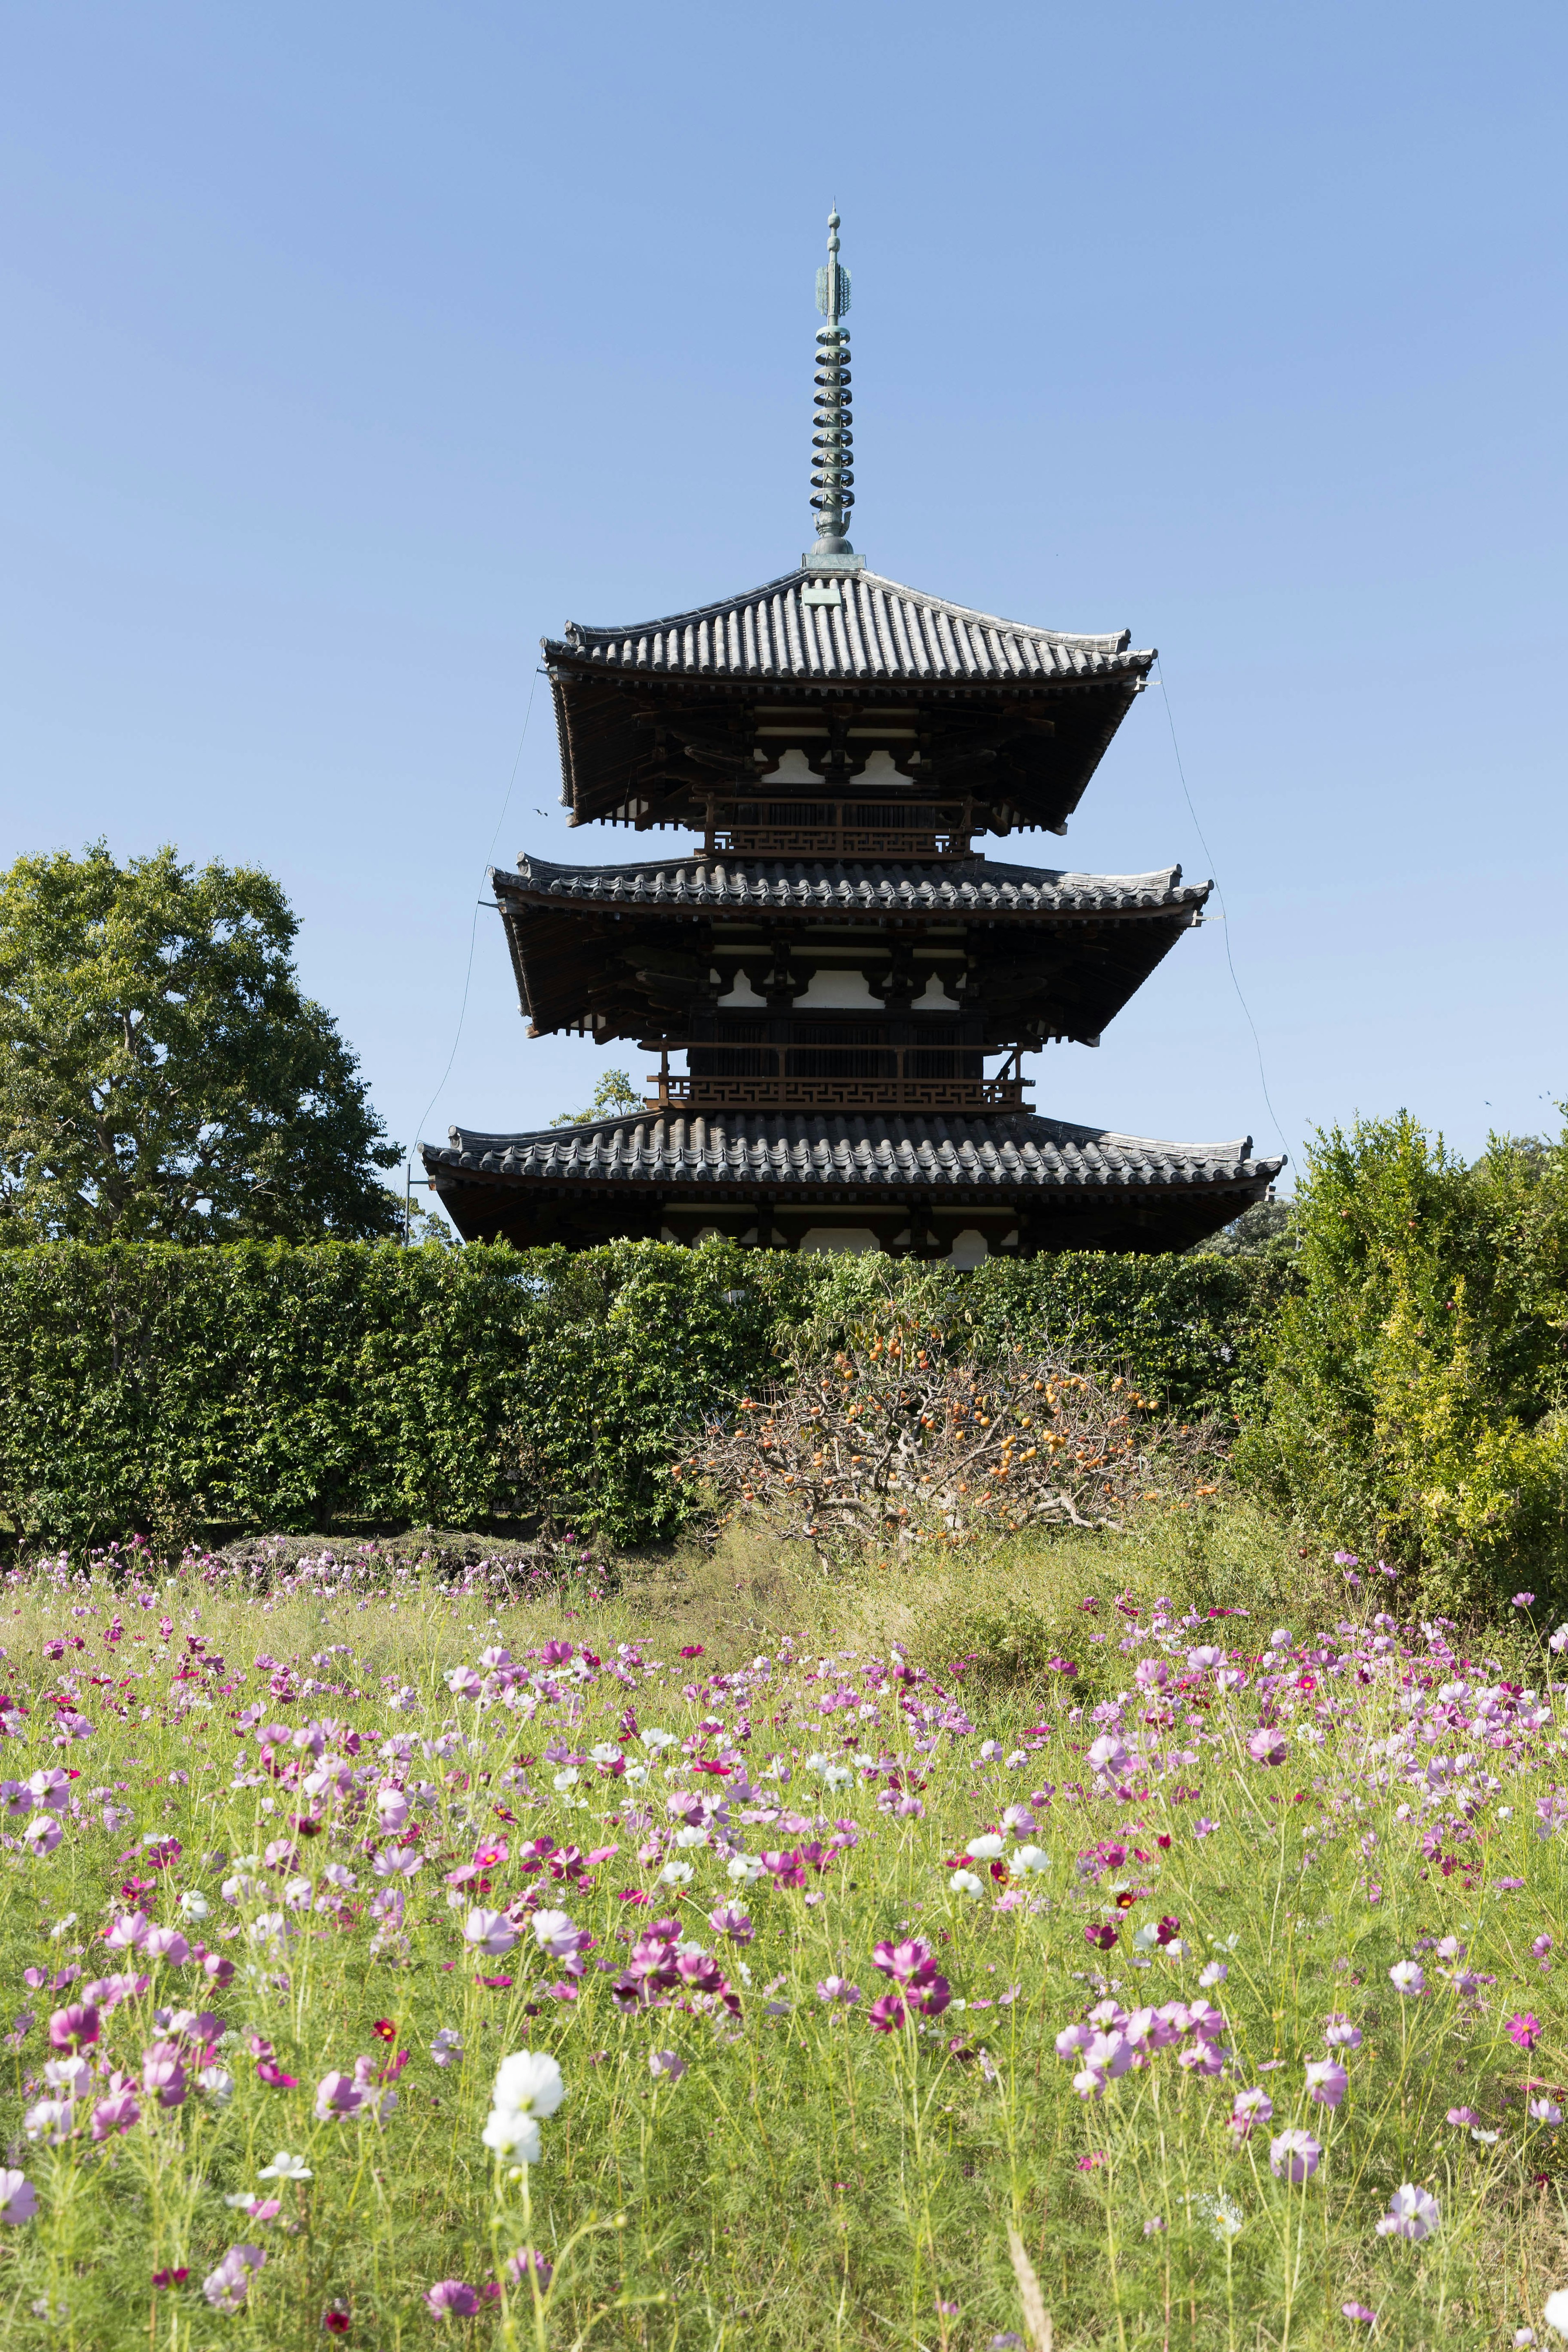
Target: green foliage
[
  {"x": 161, "y": 1078},
  {"x": 1414, "y": 1398},
  {"x": 296, "y": 1388},
  {"x": 613, "y": 1097}
]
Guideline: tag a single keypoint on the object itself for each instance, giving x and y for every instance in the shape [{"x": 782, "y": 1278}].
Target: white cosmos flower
[
  {"x": 655, "y": 1739},
  {"x": 964, "y": 1881},
  {"x": 1554, "y": 2311},
  {"x": 745, "y": 1869},
  {"x": 674, "y": 1874},
  {"x": 194, "y": 1903},
  {"x": 285, "y": 2166},
  {"x": 529, "y": 2086},
  {"x": 985, "y": 1848},
  {"x": 1030, "y": 1858},
  {"x": 634, "y": 1773},
  {"x": 567, "y": 1778}
]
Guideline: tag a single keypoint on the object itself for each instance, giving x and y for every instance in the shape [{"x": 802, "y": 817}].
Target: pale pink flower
[
  {"x": 1408, "y": 1976},
  {"x": 338, "y": 2094},
  {"x": 665, "y": 2065},
  {"x": 165, "y": 1944},
  {"x": 1412, "y": 2213},
  {"x": 492, "y": 1931},
  {"x": 129, "y": 1932},
  {"x": 1327, "y": 2081},
  {"x": 18, "y": 2198},
  {"x": 43, "y": 1833},
  {"x": 1267, "y": 1746},
  {"x": 1294, "y": 2155},
  {"x": 226, "y": 2287},
  {"x": 446, "y": 2045}
]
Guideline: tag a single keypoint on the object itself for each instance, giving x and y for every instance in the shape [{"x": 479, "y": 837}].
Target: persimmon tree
[{"x": 899, "y": 1442}]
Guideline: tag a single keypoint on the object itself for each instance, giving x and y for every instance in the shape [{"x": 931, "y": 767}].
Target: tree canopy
[
  {"x": 614, "y": 1097},
  {"x": 162, "y": 1075}
]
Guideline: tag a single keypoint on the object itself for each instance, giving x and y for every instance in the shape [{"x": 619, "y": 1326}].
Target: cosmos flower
[
  {"x": 18, "y": 2198},
  {"x": 1412, "y": 2213},
  {"x": 665, "y": 2065},
  {"x": 1327, "y": 2081},
  {"x": 1294, "y": 2155},
  {"x": 1524, "y": 2030},
  {"x": 445, "y": 2044},
  {"x": 490, "y": 1931},
  {"x": 529, "y": 2086},
  {"x": 1407, "y": 1976},
  {"x": 452, "y": 2299},
  {"x": 226, "y": 2287}
]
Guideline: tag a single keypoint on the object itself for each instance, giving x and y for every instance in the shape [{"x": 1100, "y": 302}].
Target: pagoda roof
[
  {"x": 1008, "y": 1150},
  {"x": 955, "y": 887},
  {"x": 880, "y": 630}
]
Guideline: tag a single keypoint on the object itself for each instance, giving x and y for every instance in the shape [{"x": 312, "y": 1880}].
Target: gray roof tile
[
  {"x": 1007, "y": 1149},
  {"x": 972, "y": 886},
  {"x": 881, "y": 630}
]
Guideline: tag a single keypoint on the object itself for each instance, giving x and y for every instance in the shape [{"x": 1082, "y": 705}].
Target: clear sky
[{"x": 352, "y": 349}]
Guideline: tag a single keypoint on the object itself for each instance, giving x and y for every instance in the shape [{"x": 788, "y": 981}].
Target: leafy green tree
[
  {"x": 1413, "y": 1404},
  {"x": 162, "y": 1075},
  {"x": 613, "y": 1096}
]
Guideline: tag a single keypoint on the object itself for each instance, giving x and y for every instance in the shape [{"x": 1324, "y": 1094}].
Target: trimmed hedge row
[{"x": 261, "y": 1387}]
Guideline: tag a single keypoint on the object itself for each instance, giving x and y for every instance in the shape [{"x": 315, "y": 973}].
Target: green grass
[{"x": 807, "y": 2181}]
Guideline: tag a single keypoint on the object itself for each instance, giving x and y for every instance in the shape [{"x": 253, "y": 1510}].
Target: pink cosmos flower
[
  {"x": 1545, "y": 2111},
  {"x": 165, "y": 1944},
  {"x": 43, "y": 1833},
  {"x": 226, "y": 2287},
  {"x": 1412, "y": 2213},
  {"x": 493, "y": 1932},
  {"x": 1251, "y": 2107},
  {"x": 1359, "y": 2311},
  {"x": 73, "y": 2028},
  {"x": 446, "y": 2045},
  {"x": 1524, "y": 2030},
  {"x": 1268, "y": 1748},
  {"x": 129, "y": 1932},
  {"x": 452, "y": 2299},
  {"x": 837, "y": 1989},
  {"x": 118, "y": 2112},
  {"x": 665, "y": 2065},
  {"x": 1408, "y": 1976},
  {"x": 163, "y": 2072},
  {"x": 1327, "y": 2081},
  {"x": 730, "y": 1920},
  {"x": 1541, "y": 1947},
  {"x": 1100, "y": 1938},
  {"x": 519, "y": 2266},
  {"x": 18, "y": 2198},
  {"x": 1463, "y": 2118},
  {"x": 1341, "y": 2034},
  {"x": 1295, "y": 2156},
  {"x": 887, "y": 2015},
  {"x": 268, "y": 2071},
  {"x": 338, "y": 2094}
]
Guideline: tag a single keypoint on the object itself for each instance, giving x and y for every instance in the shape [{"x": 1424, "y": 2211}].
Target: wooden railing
[
  {"x": 899, "y": 1088},
  {"x": 839, "y": 829}
]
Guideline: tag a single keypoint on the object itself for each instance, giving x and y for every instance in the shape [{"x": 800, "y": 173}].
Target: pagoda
[{"x": 838, "y": 964}]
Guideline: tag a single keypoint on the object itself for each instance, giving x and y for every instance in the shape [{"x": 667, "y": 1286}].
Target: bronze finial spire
[{"x": 833, "y": 478}]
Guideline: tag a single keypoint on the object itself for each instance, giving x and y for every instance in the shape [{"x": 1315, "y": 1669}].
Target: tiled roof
[
  {"x": 1008, "y": 1150},
  {"x": 880, "y": 630},
  {"x": 959, "y": 886}
]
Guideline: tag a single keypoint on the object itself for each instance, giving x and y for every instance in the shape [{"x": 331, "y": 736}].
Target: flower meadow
[{"x": 393, "y": 1962}]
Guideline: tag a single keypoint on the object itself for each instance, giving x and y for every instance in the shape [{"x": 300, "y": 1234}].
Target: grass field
[{"x": 1216, "y": 1955}]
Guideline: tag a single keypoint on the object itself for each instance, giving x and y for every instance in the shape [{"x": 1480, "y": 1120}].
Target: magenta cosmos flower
[
  {"x": 73, "y": 2028},
  {"x": 1268, "y": 1748},
  {"x": 1359, "y": 2311},
  {"x": 1524, "y": 2030},
  {"x": 1295, "y": 2156},
  {"x": 452, "y": 2299}
]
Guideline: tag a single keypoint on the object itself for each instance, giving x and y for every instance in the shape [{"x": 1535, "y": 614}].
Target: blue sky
[{"x": 352, "y": 350}]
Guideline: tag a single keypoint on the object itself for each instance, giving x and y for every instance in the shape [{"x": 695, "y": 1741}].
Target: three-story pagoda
[{"x": 838, "y": 964}]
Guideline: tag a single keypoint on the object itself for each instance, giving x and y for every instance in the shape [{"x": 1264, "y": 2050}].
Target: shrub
[{"x": 1413, "y": 1398}]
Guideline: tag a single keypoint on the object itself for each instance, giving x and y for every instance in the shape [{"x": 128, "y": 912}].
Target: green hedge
[{"x": 176, "y": 1392}]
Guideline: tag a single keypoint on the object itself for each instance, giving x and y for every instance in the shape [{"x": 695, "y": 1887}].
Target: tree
[
  {"x": 613, "y": 1096},
  {"x": 161, "y": 1076}
]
